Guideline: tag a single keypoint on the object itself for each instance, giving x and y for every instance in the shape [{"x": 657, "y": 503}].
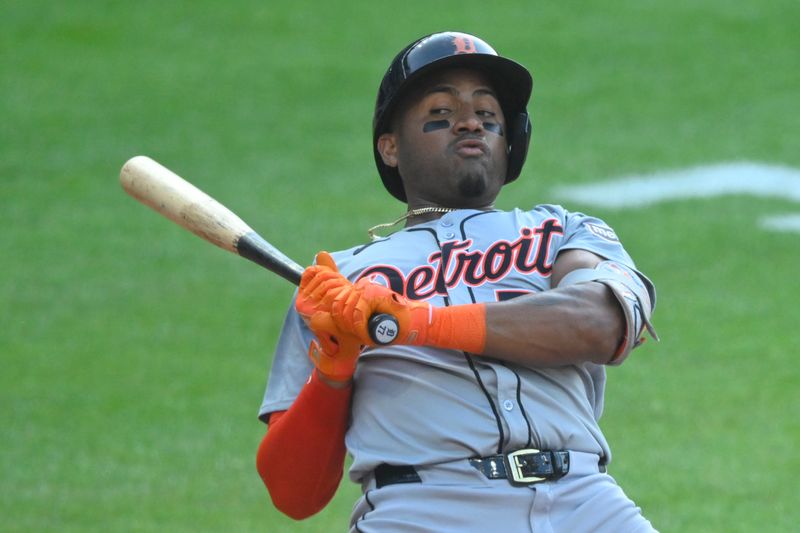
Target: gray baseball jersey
[{"x": 423, "y": 406}]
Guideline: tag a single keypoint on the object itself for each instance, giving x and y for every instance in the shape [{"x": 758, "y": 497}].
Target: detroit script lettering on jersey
[{"x": 455, "y": 263}]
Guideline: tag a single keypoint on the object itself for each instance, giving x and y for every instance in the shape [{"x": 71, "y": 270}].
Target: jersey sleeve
[
  {"x": 291, "y": 366},
  {"x": 584, "y": 232}
]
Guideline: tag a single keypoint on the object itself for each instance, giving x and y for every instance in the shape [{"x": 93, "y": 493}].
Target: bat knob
[{"x": 383, "y": 328}]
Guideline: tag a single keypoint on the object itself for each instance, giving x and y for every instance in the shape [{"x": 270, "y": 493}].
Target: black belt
[{"x": 522, "y": 467}]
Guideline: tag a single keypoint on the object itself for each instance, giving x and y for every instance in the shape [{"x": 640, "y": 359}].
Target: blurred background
[{"x": 134, "y": 355}]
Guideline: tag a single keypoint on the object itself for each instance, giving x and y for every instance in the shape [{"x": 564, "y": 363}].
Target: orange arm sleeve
[{"x": 301, "y": 458}]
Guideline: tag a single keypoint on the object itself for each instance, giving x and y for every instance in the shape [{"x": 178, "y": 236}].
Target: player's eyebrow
[{"x": 450, "y": 89}]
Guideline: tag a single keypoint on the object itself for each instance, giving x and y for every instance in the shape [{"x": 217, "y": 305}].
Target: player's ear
[{"x": 387, "y": 147}]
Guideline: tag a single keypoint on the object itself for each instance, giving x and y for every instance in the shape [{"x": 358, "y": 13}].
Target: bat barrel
[{"x": 175, "y": 198}]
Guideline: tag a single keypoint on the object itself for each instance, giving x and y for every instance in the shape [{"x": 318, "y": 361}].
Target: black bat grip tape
[{"x": 383, "y": 328}]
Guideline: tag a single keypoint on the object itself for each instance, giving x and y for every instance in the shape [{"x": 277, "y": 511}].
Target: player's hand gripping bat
[{"x": 161, "y": 189}]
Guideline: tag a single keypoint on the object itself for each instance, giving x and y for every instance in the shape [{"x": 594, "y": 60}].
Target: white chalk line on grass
[
  {"x": 709, "y": 181},
  {"x": 788, "y": 222}
]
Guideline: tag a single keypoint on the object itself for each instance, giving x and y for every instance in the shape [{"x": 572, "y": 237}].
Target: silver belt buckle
[{"x": 515, "y": 467}]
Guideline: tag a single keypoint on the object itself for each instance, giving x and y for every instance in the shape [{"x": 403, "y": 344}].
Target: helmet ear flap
[{"x": 519, "y": 140}]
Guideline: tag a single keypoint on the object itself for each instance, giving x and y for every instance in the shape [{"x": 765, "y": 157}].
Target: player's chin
[{"x": 476, "y": 185}]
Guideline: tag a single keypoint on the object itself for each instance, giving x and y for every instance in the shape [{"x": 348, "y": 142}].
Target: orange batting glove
[
  {"x": 333, "y": 353},
  {"x": 460, "y": 327},
  {"x": 333, "y": 303},
  {"x": 319, "y": 285}
]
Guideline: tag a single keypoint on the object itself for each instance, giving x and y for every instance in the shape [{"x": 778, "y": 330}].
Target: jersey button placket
[
  {"x": 446, "y": 228},
  {"x": 513, "y": 417},
  {"x": 457, "y": 292}
]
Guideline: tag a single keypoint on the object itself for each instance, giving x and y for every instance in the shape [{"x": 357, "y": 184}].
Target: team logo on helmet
[{"x": 464, "y": 45}]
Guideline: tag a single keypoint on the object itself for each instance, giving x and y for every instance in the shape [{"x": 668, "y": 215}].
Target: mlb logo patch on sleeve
[{"x": 604, "y": 232}]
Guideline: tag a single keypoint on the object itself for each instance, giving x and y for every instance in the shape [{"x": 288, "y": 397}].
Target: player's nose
[{"x": 468, "y": 122}]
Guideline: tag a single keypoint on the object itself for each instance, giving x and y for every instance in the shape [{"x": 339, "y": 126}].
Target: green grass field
[{"x": 134, "y": 355}]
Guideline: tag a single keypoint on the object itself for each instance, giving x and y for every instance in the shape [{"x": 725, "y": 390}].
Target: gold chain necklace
[{"x": 412, "y": 213}]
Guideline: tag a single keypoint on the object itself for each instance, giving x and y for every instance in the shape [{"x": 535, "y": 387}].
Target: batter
[{"x": 483, "y": 414}]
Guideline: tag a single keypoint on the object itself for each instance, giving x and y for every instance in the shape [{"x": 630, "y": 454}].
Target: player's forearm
[
  {"x": 554, "y": 328},
  {"x": 301, "y": 457}
]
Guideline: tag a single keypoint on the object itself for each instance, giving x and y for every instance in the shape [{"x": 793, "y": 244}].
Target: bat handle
[{"x": 383, "y": 328}]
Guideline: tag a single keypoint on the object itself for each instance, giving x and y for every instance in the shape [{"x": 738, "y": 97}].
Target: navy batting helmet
[{"x": 511, "y": 80}]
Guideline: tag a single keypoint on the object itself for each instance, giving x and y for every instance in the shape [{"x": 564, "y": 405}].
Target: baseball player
[{"x": 482, "y": 414}]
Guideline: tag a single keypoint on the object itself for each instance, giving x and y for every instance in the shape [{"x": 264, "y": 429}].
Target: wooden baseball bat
[
  {"x": 158, "y": 187},
  {"x": 164, "y": 191}
]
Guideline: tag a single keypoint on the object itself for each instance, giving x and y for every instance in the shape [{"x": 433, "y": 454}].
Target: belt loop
[{"x": 560, "y": 464}]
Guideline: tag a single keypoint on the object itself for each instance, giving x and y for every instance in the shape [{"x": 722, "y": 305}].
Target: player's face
[{"x": 449, "y": 142}]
